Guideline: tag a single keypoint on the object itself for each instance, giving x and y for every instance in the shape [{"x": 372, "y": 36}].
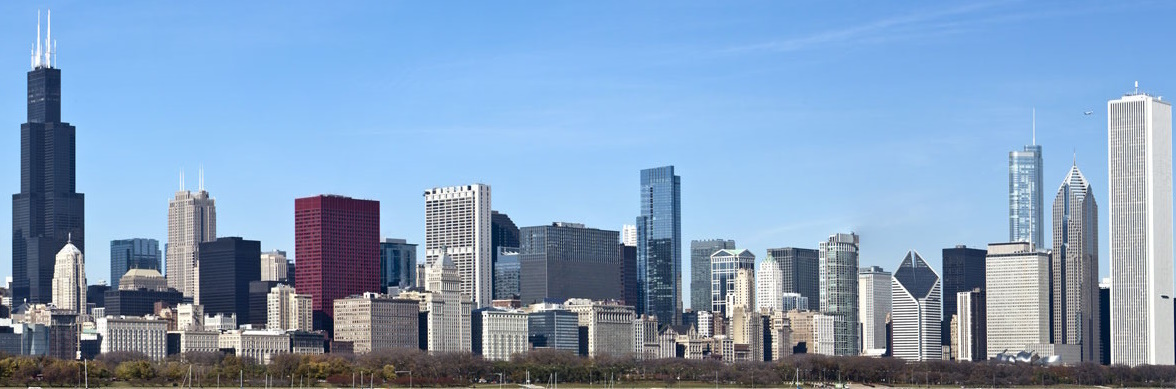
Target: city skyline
[{"x": 124, "y": 209}]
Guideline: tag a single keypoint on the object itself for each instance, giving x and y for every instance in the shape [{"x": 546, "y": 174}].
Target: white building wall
[
  {"x": 458, "y": 218},
  {"x": 1017, "y": 298}
]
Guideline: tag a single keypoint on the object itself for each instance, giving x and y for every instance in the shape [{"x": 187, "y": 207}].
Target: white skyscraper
[
  {"x": 457, "y": 221},
  {"x": 1017, "y": 297},
  {"x": 769, "y": 286},
  {"x": 274, "y": 266},
  {"x": 191, "y": 219},
  {"x": 69, "y": 280},
  {"x": 916, "y": 307},
  {"x": 837, "y": 272},
  {"x": 629, "y": 235},
  {"x": 1139, "y": 128},
  {"x": 287, "y": 310},
  {"x": 874, "y": 305}
]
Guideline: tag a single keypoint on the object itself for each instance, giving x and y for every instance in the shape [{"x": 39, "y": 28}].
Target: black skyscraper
[
  {"x": 963, "y": 270},
  {"x": 48, "y": 208},
  {"x": 227, "y": 266}
]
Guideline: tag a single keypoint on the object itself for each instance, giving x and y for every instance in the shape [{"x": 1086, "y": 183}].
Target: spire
[
  {"x": 181, "y": 179},
  {"x": 48, "y": 37},
  {"x": 1035, "y": 126},
  {"x": 201, "y": 178},
  {"x": 37, "y": 56},
  {"x": 69, "y": 238}
]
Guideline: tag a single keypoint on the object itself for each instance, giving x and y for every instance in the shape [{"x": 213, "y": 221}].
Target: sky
[{"x": 787, "y": 121}]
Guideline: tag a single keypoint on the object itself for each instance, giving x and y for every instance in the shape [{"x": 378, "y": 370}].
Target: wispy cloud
[{"x": 922, "y": 23}]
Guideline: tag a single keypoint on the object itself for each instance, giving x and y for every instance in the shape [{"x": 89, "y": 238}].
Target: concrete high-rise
[
  {"x": 659, "y": 245},
  {"x": 971, "y": 326},
  {"x": 274, "y": 266},
  {"x": 227, "y": 266},
  {"x": 769, "y": 286},
  {"x": 286, "y": 310},
  {"x": 916, "y": 305},
  {"x": 457, "y": 223},
  {"x": 700, "y": 270},
  {"x": 1017, "y": 297},
  {"x": 799, "y": 272},
  {"x": 1026, "y": 212},
  {"x": 874, "y": 304},
  {"x": 725, "y": 265},
  {"x": 397, "y": 264},
  {"x": 337, "y": 246},
  {"x": 1074, "y": 267},
  {"x": 127, "y": 254},
  {"x": 48, "y": 210},
  {"x": 191, "y": 220},
  {"x": 567, "y": 260},
  {"x": 838, "y": 275},
  {"x": 963, "y": 270},
  {"x": 69, "y": 280},
  {"x": 1139, "y": 128}
]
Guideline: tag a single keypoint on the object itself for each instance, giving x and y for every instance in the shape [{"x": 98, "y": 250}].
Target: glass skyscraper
[
  {"x": 700, "y": 270},
  {"x": 127, "y": 254},
  {"x": 397, "y": 264},
  {"x": 1026, "y": 213},
  {"x": 659, "y": 248}
]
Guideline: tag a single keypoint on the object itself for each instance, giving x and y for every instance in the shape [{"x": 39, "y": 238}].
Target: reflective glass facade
[
  {"x": 700, "y": 270},
  {"x": 1026, "y": 213},
  {"x": 506, "y": 273},
  {"x": 127, "y": 254},
  {"x": 659, "y": 245},
  {"x": 397, "y": 264}
]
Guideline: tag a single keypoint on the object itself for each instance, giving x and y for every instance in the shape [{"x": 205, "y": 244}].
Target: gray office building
[
  {"x": 397, "y": 264},
  {"x": 700, "y": 270},
  {"x": 567, "y": 260},
  {"x": 1026, "y": 212},
  {"x": 800, "y": 272},
  {"x": 557, "y": 329},
  {"x": 127, "y": 254}
]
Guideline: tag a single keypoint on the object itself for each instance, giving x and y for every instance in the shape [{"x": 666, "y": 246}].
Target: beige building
[
  {"x": 197, "y": 341},
  {"x": 147, "y": 335},
  {"x": 273, "y": 266},
  {"x": 499, "y": 333},
  {"x": 287, "y": 310},
  {"x": 1017, "y": 294},
  {"x": 610, "y": 326},
  {"x": 189, "y": 317},
  {"x": 373, "y": 321},
  {"x": 448, "y": 308},
  {"x": 69, "y": 280},
  {"x": 261, "y": 345},
  {"x": 191, "y": 220},
  {"x": 148, "y": 279}
]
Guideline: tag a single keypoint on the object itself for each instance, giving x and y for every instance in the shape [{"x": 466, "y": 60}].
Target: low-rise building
[
  {"x": 498, "y": 333},
  {"x": 373, "y": 321},
  {"x": 261, "y": 345},
  {"x": 147, "y": 335},
  {"x": 220, "y": 322},
  {"x": 556, "y": 329},
  {"x": 609, "y": 326}
]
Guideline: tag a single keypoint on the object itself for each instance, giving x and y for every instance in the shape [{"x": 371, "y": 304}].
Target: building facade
[
  {"x": 659, "y": 245},
  {"x": 916, "y": 306},
  {"x": 373, "y": 322},
  {"x": 1139, "y": 128},
  {"x": 799, "y": 272},
  {"x": 971, "y": 326},
  {"x": 700, "y": 270},
  {"x": 144, "y": 335},
  {"x": 136, "y": 253},
  {"x": 227, "y": 266},
  {"x": 725, "y": 265},
  {"x": 447, "y": 309},
  {"x": 69, "y": 280},
  {"x": 837, "y": 273},
  {"x": 48, "y": 210},
  {"x": 874, "y": 296},
  {"x": 556, "y": 329},
  {"x": 507, "y": 273},
  {"x": 458, "y": 224},
  {"x": 609, "y": 326},
  {"x": 397, "y": 264},
  {"x": 499, "y": 333},
  {"x": 1026, "y": 212},
  {"x": 567, "y": 260},
  {"x": 1074, "y": 267},
  {"x": 1017, "y": 297},
  {"x": 191, "y": 220},
  {"x": 289, "y": 311},
  {"x": 274, "y": 266},
  {"x": 337, "y": 246},
  {"x": 963, "y": 270}
]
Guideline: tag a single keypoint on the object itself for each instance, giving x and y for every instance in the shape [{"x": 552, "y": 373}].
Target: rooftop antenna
[
  {"x": 1136, "y": 82},
  {"x": 37, "y": 63},
  {"x": 48, "y": 37},
  {"x": 1035, "y": 126},
  {"x": 201, "y": 178},
  {"x": 181, "y": 179}
]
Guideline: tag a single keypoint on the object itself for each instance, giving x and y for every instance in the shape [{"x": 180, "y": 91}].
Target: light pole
[
  {"x": 500, "y": 376},
  {"x": 409, "y": 376}
]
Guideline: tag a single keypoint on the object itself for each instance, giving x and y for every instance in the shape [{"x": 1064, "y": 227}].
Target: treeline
[{"x": 391, "y": 368}]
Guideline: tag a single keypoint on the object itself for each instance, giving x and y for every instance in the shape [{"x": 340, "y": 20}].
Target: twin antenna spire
[
  {"x": 201, "y": 179},
  {"x": 44, "y": 57}
]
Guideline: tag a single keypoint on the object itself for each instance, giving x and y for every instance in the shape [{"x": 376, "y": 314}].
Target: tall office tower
[
  {"x": 503, "y": 233},
  {"x": 1017, "y": 294},
  {"x": 963, "y": 270},
  {"x": 725, "y": 265},
  {"x": 769, "y": 287},
  {"x": 337, "y": 244},
  {"x": 397, "y": 264},
  {"x": 742, "y": 292},
  {"x": 916, "y": 308},
  {"x": 69, "y": 279},
  {"x": 1140, "y": 150},
  {"x": 191, "y": 220},
  {"x": 48, "y": 209},
  {"x": 507, "y": 273},
  {"x": 838, "y": 278},
  {"x": 629, "y": 235},
  {"x": 446, "y": 308},
  {"x": 1026, "y": 212},
  {"x": 629, "y": 274},
  {"x": 286, "y": 310},
  {"x": 873, "y": 306},
  {"x": 127, "y": 254},
  {"x": 799, "y": 272},
  {"x": 746, "y": 323},
  {"x": 659, "y": 246},
  {"x": 1074, "y": 266},
  {"x": 227, "y": 266},
  {"x": 971, "y": 326},
  {"x": 457, "y": 222},
  {"x": 1104, "y": 331},
  {"x": 567, "y": 260},
  {"x": 700, "y": 270},
  {"x": 274, "y": 266}
]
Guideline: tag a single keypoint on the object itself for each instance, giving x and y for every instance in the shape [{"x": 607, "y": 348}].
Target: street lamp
[
  {"x": 409, "y": 376},
  {"x": 499, "y": 379}
]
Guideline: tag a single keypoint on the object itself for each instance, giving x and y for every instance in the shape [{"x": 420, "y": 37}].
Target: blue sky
[{"x": 788, "y": 121}]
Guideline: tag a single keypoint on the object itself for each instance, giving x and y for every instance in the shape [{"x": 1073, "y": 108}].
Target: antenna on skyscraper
[
  {"x": 181, "y": 179},
  {"x": 1035, "y": 126},
  {"x": 48, "y": 37},
  {"x": 201, "y": 178},
  {"x": 37, "y": 61}
]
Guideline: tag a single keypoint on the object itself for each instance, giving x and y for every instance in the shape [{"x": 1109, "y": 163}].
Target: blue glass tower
[
  {"x": 659, "y": 247},
  {"x": 127, "y": 254},
  {"x": 1025, "y": 196}
]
